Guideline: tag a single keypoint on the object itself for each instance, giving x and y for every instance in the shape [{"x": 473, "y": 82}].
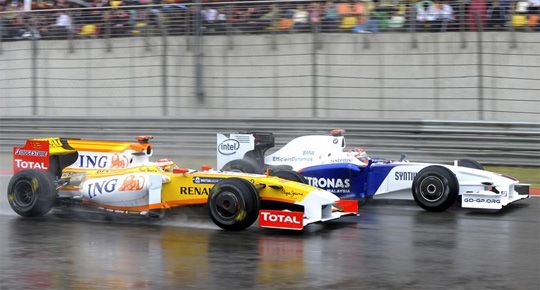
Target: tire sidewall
[
  {"x": 242, "y": 165},
  {"x": 247, "y": 197},
  {"x": 43, "y": 188},
  {"x": 290, "y": 175},
  {"x": 435, "y": 176}
]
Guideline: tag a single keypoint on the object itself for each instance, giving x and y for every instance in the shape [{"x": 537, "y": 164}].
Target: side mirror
[{"x": 403, "y": 157}]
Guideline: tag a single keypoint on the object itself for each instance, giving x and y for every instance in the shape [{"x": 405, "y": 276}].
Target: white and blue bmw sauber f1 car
[{"x": 324, "y": 162}]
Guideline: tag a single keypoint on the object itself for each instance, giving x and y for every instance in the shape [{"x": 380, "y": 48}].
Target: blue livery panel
[
  {"x": 347, "y": 180},
  {"x": 377, "y": 175}
]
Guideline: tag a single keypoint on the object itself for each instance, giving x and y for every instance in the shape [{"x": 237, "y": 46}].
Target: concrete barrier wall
[{"x": 351, "y": 76}]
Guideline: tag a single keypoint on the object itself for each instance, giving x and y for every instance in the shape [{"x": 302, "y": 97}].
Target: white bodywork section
[
  {"x": 318, "y": 207},
  {"x": 321, "y": 150},
  {"x": 123, "y": 190},
  {"x": 312, "y": 150},
  {"x": 300, "y": 153},
  {"x": 472, "y": 185},
  {"x": 110, "y": 160},
  {"x": 233, "y": 147}
]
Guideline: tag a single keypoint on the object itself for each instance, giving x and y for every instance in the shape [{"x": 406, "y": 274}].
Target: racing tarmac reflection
[{"x": 387, "y": 247}]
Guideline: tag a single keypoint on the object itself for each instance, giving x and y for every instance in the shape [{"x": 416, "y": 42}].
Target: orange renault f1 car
[{"x": 119, "y": 177}]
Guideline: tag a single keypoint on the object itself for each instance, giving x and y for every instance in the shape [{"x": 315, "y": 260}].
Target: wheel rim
[
  {"x": 227, "y": 206},
  {"x": 432, "y": 188},
  {"x": 23, "y": 194}
]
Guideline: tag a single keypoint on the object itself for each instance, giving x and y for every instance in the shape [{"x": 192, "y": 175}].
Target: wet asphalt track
[{"x": 389, "y": 246}]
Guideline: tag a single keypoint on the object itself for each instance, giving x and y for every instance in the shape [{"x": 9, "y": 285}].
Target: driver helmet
[
  {"x": 360, "y": 154},
  {"x": 165, "y": 164}
]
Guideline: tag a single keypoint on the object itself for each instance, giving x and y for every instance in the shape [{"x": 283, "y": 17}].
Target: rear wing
[
  {"x": 43, "y": 154},
  {"x": 55, "y": 154},
  {"x": 33, "y": 155},
  {"x": 237, "y": 145},
  {"x": 233, "y": 147}
]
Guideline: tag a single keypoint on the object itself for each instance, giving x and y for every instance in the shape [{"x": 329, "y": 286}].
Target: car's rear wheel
[
  {"x": 31, "y": 193},
  {"x": 435, "y": 188},
  {"x": 233, "y": 204},
  {"x": 289, "y": 175},
  {"x": 242, "y": 165}
]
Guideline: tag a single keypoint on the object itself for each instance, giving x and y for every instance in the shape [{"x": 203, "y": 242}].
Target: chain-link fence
[{"x": 464, "y": 60}]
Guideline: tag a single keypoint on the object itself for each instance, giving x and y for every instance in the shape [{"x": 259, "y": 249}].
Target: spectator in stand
[
  {"x": 446, "y": 15},
  {"x": 209, "y": 16},
  {"x": 344, "y": 8},
  {"x": 3, "y": 22},
  {"x": 477, "y": 10},
  {"x": 41, "y": 5},
  {"x": 533, "y": 10},
  {"x": 62, "y": 27},
  {"x": 221, "y": 21},
  {"x": 426, "y": 14},
  {"x": 120, "y": 19},
  {"x": 331, "y": 16},
  {"x": 496, "y": 15},
  {"x": 315, "y": 14},
  {"x": 301, "y": 19},
  {"x": 251, "y": 19},
  {"x": 13, "y": 21},
  {"x": 270, "y": 19},
  {"x": 534, "y": 7},
  {"x": 360, "y": 9}
]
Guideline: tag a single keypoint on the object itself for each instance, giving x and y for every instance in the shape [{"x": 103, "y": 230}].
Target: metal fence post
[
  {"x": 273, "y": 39},
  {"x": 512, "y": 31},
  {"x": 146, "y": 34},
  {"x": 314, "y": 71},
  {"x": 164, "y": 73},
  {"x": 189, "y": 27},
  {"x": 480, "y": 66},
  {"x": 108, "y": 43},
  {"x": 461, "y": 18},
  {"x": 228, "y": 30},
  {"x": 34, "y": 76},
  {"x": 1, "y": 35},
  {"x": 71, "y": 45},
  {"x": 199, "y": 84},
  {"x": 365, "y": 39},
  {"x": 412, "y": 27}
]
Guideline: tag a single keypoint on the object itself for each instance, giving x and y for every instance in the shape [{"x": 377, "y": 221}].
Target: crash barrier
[
  {"x": 431, "y": 141},
  {"x": 168, "y": 60}
]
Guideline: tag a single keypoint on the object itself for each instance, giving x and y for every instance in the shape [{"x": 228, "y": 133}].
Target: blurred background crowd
[{"x": 87, "y": 18}]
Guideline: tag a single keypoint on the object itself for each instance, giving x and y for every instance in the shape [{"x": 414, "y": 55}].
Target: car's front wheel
[
  {"x": 233, "y": 204},
  {"x": 435, "y": 188}
]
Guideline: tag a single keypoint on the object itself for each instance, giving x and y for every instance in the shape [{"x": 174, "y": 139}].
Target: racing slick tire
[
  {"x": 233, "y": 204},
  {"x": 31, "y": 193},
  {"x": 289, "y": 175},
  {"x": 470, "y": 164},
  {"x": 242, "y": 165},
  {"x": 435, "y": 188}
]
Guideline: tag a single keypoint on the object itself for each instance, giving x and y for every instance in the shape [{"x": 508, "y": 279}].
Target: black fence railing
[
  {"x": 117, "y": 18},
  {"x": 274, "y": 59}
]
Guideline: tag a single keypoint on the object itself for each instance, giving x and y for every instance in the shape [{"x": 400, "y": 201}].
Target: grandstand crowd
[{"x": 99, "y": 18}]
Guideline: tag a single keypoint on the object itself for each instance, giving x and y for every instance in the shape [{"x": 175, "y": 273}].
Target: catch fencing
[
  {"x": 266, "y": 59},
  {"x": 182, "y": 139}
]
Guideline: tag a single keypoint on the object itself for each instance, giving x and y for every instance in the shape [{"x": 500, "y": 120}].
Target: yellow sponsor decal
[
  {"x": 241, "y": 215},
  {"x": 34, "y": 184}
]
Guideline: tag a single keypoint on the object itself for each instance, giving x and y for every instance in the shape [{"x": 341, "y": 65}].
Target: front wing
[{"x": 295, "y": 220}]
